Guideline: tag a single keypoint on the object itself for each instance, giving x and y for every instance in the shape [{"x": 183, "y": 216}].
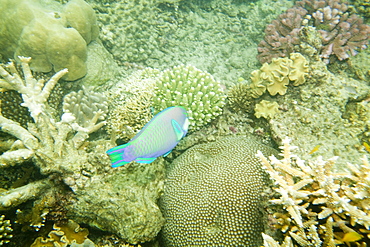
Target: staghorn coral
[
  {"x": 54, "y": 35},
  {"x": 266, "y": 109},
  {"x": 321, "y": 206},
  {"x": 5, "y": 230},
  {"x": 193, "y": 89},
  {"x": 275, "y": 76},
  {"x": 60, "y": 149},
  {"x": 212, "y": 194},
  {"x": 342, "y": 33}
]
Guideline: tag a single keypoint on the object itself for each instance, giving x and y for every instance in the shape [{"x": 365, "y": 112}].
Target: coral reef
[
  {"x": 266, "y": 109},
  {"x": 275, "y": 76},
  {"x": 61, "y": 150},
  {"x": 212, "y": 194},
  {"x": 55, "y": 36},
  {"x": 162, "y": 35},
  {"x": 321, "y": 206},
  {"x": 5, "y": 230},
  {"x": 342, "y": 33},
  {"x": 197, "y": 91}
]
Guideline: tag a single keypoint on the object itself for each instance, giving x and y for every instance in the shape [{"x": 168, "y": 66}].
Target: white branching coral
[
  {"x": 321, "y": 207},
  {"x": 48, "y": 142}
]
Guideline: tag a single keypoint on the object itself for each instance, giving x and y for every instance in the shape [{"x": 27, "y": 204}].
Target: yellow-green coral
[
  {"x": 54, "y": 37},
  {"x": 64, "y": 234},
  {"x": 5, "y": 230},
  {"x": 197, "y": 91},
  {"x": 275, "y": 76},
  {"x": 320, "y": 206},
  {"x": 266, "y": 109},
  {"x": 212, "y": 195}
]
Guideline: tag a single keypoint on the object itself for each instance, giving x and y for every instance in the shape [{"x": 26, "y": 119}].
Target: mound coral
[
  {"x": 342, "y": 33},
  {"x": 276, "y": 75},
  {"x": 321, "y": 206},
  {"x": 212, "y": 194},
  {"x": 55, "y": 37},
  {"x": 193, "y": 89}
]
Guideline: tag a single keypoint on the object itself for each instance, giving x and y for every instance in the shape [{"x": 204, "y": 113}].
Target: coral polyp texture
[
  {"x": 319, "y": 206},
  {"x": 5, "y": 230},
  {"x": 212, "y": 194},
  {"x": 55, "y": 36},
  {"x": 197, "y": 91},
  {"x": 343, "y": 34}
]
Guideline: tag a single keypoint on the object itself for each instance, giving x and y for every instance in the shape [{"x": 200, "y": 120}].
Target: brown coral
[{"x": 342, "y": 33}]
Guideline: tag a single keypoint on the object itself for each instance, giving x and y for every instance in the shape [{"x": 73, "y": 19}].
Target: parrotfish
[{"x": 158, "y": 137}]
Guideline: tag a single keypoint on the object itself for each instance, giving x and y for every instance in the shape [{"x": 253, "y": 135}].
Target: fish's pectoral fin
[
  {"x": 167, "y": 153},
  {"x": 145, "y": 160},
  {"x": 179, "y": 132}
]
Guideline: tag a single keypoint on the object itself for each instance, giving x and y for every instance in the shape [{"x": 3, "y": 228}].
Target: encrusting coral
[
  {"x": 275, "y": 76},
  {"x": 320, "y": 206},
  {"x": 197, "y": 91},
  {"x": 212, "y": 194},
  {"x": 64, "y": 234},
  {"x": 266, "y": 109}
]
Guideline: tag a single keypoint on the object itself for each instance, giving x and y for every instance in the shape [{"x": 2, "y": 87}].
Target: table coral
[
  {"x": 321, "y": 206},
  {"x": 56, "y": 38},
  {"x": 212, "y": 194},
  {"x": 342, "y": 33},
  {"x": 196, "y": 90}
]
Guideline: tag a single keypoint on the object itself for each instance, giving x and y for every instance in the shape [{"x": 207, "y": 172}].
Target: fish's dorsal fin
[{"x": 179, "y": 132}]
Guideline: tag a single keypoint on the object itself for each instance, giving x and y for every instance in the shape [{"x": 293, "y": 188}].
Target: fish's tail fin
[{"x": 117, "y": 155}]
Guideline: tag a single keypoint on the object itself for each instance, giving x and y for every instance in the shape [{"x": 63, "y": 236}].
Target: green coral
[
  {"x": 55, "y": 37},
  {"x": 197, "y": 91},
  {"x": 212, "y": 195},
  {"x": 5, "y": 230}
]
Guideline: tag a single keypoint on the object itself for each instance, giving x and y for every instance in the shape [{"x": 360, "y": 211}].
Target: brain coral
[
  {"x": 212, "y": 195},
  {"x": 193, "y": 89}
]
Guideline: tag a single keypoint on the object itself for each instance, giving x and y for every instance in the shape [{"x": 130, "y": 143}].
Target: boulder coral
[
  {"x": 212, "y": 194},
  {"x": 54, "y": 36}
]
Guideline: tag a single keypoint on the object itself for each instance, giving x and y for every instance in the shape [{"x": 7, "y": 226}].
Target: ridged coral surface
[{"x": 212, "y": 195}]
